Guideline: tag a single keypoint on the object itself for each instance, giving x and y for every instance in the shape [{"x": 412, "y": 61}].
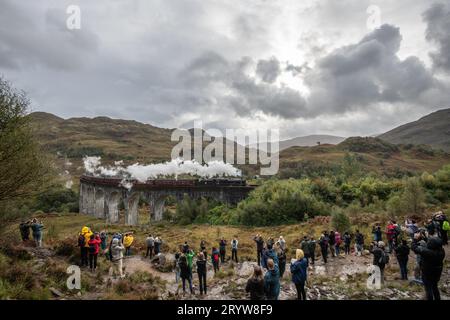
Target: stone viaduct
[{"x": 101, "y": 197}]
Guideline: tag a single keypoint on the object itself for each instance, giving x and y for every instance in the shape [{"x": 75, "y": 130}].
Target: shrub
[{"x": 340, "y": 221}]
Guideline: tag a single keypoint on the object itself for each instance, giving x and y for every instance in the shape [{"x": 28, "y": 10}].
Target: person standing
[
  {"x": 94, "y": 245},
  {"x": 185, "y": 274},
  {"x": 332, "y": 243},
  {"x": 128, "y": 240},
  {"x": 337, "y": 241},
  {"x": 37, "y": 227},
  {"x": 234, "y": 249},
  {"x": 83, "y": 248},
  {"x": 402, "y": 254},
  {"x": 432, "y": 263},
  {"x": 323, "y": 243},
  {"x": 150, "y": 242},
  {"x": 177, "y": 266},
  {"x": 347, "y": 243},
  {"x": 390, "y": 235},
  {"x": 305, "y": 247},
  {"x": 104, "y": 242},
  {"x": 299, "y": 267},
  {"x": 117, "y": 250},
  {"x": 201, "y": 271},
  {"x": 312, "y": 249},
  {"x": 359, "y": 243},
  {"x": 255, "y": 285},
  {"x": 259, "y": 247},
  {"x": 158, "y": 244},
  {"x": 24, "y": 228},
  {"x": 380, "y": 257},
  {"x": 281, "y": 255},
  {"x": 215, "y": 259},
  {"x": 222, "y": 249},
  {"x": 272, "y": 281}
]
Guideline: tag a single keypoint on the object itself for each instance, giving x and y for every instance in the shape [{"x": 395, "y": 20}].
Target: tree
[
  {"x": 24, "y": 169},
  {"x": 413, "y": 195}
]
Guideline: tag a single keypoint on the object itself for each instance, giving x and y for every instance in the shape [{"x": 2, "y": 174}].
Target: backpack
[
  {"x": 384, "y": 258},
  {"x": 446, "y": 226},
  {"x": 216, "y": 257},
  {"x": 81, "y": 240}
]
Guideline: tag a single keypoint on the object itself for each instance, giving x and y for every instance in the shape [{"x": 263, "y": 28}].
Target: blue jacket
[
  {"x": 299, "y": 271},
  {"x": 269, "y": 254},
  {"x": 272, "y": 283}
]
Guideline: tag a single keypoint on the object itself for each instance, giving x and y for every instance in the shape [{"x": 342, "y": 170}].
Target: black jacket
[
  {"x": 432, "y": 257},
  {"x": 259, "y": 243},
  {"x": 402, "y": 253},
  {"x": 377, "y": 254},
  {"x": 185, "y": 272},
  {"x": 201, "y": 266},
  {"x": 256, "y": 288}
]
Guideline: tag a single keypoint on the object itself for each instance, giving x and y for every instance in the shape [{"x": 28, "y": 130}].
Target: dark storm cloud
[
  {"x": 367, "y": 73},
  {"x": 437, "y": 18},
  {"x": 268, "y": 70}
]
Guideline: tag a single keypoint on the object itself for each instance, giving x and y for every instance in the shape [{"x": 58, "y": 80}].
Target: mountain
[
  {"x": 114, "y": 139},
  {"x": 433, "y": 130},
  {"x": 305, "y": 141}
]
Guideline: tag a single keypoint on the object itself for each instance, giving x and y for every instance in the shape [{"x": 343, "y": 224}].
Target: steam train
[
  {"x": 216, "y": 182},
  {"x": 198, "y": 182}
]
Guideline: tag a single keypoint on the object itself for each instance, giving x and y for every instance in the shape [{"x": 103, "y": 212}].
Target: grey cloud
[
  {"x": 366, "y": 73},
  {"x": 28, "y": 44},
  {"x": 437, "y": 18},
  {"x": 268, "y": 70}
]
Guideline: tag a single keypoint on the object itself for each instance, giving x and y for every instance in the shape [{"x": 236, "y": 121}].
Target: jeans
[
  {"x": 324, "y": 255},
  {"x": 337, "y": 250},
  {"x": 190, "y": 284},
  {"x": 259, "y": 256},
  {"x": 202, "y": 282},
  {"x": 93, "y": 261},
  {"x": 234, "y": 255},
  {"x": 222, "y": 256},
  {"x": 128, "y": 251},
  {"x": 84, "y": 256},
  {"x": 301, "y": 293},
  {"x": 332, "y": 250},
  {"x": 216, "y": 266},
  {"x": 149, "y": 252},
  {"x": 403, "y": 269},
  {"x": 347, "y": 249}
]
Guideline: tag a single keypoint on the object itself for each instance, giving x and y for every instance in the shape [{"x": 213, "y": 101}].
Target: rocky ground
[{"x": 343, "y": 277}]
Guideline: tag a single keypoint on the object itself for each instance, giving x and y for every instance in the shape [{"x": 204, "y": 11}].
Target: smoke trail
[{"x": 173, "y": 168}]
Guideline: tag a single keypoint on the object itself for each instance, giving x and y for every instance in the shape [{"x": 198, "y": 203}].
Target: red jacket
[
  {"x": 96, "y": 244},
  {"x": 390, "y": 231}
]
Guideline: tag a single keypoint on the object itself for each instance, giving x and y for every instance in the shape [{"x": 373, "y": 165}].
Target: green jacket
[{"x": 190, "y": 257}]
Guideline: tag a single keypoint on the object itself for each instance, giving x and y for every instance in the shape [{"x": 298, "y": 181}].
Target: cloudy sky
[{"x": 306, "y": 67}]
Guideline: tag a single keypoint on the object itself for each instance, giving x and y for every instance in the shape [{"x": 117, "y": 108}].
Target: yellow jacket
[
  {"x": 128, "y": 240},
  {"x": 87, "y": 235}
]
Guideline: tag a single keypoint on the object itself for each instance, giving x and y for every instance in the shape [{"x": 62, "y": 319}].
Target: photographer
[{"x": 431, "y": 263}]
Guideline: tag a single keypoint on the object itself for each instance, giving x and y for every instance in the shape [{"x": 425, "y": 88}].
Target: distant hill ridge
[{"x": 432, "y": 129}]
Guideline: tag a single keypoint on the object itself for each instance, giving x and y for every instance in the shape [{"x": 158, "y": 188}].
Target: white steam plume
[{"x": 172, "y": 168}]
